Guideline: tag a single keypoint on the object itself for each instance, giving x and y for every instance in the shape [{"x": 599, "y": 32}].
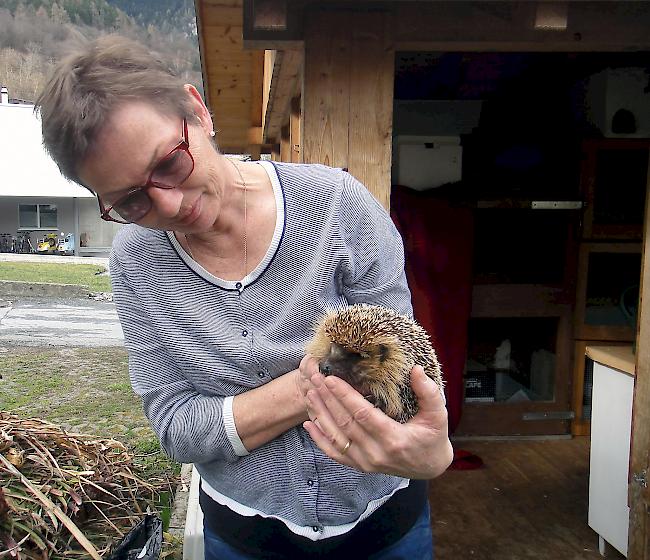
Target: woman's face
[{"x": 128, "y": 148}]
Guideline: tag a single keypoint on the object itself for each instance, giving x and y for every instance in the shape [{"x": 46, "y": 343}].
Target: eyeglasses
[{"x": 169, "y": 173}]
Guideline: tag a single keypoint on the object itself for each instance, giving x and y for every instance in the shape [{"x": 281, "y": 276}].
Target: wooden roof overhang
[
  {"x": 252, "y": 51},
  {"x": 232, "y": 76}
]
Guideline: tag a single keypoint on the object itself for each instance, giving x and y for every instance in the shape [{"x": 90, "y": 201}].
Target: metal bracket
[
  {"x": 641, "y": 478},
  {"x": 559, "y": 415},
  {"x": 556, "y": 204}
]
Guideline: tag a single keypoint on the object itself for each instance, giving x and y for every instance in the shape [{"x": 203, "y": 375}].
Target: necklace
[{"x": 245, "y": 236}]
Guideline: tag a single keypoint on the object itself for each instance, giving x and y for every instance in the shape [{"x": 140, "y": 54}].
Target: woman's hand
[{"x": 353, "y": 432}]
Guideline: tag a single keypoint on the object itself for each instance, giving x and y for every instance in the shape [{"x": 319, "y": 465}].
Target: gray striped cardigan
[{"x": 195, "y": 341}]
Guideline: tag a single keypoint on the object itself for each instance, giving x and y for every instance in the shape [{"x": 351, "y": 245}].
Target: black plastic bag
[{"x": 143, "y": 542}]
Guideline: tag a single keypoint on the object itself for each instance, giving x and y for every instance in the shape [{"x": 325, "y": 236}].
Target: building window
[{"x": 37, "y": 216}]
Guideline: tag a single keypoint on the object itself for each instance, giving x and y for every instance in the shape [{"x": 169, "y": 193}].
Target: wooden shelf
[
  {"x": 583, "y": 328},
  {"x": 613, "y": 184},
  {"x": 617, "y": 357},
  {"x": 613, "y": 180}
]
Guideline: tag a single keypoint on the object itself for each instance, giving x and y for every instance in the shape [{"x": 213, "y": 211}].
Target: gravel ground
[{"x": 54, "y": 321}]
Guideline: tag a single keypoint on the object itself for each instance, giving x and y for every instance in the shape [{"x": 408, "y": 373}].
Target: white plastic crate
[
  {"x": 424, "y": 162},
  {"x": 193, "y": 536}
]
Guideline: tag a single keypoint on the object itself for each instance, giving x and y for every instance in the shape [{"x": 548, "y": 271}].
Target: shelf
[
  {"x": 613, "y": 179},
  {"x": 617, "y": 357},
  {"x": 608, "y": 273}
]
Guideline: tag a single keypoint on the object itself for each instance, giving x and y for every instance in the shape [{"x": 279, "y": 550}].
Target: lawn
[
  {"x": 57, "y": 273},
  {"x": 84, "y": 390}
]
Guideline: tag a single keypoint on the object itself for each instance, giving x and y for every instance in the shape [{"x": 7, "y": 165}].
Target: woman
[{"x": 218, "y": 283}]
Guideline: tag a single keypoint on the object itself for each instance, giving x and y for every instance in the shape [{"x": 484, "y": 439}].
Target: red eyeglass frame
[{"x": 183, "y": 145}]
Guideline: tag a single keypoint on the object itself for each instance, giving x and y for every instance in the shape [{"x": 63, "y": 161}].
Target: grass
[
  {"x": 57, "y": 273},
  {"x": 84, "y": 390}
]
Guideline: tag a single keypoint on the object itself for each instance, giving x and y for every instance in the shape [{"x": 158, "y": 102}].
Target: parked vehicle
[
  {"x": 7, "y": 244},
  {"x": 47, "y": 245},
  {"x": 24, "y": 243},
  {"x": 66, "y": 244}
]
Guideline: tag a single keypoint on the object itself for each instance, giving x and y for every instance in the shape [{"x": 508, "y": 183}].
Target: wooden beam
[
  {"x": 255, "y": 135},
  {"x": 326, "y": 91},
  {"x": 285, "y": 144},
  {"x": 272, "y": 24},
  {"x": 255, "y": 151},
  {"x": 371, "y": 103},
  {"x": 639, "y": 494},
  {"x": 256, "y": 87},
  {"x": 444, "y": 25},
  {"x": 269, "y": 63},
  {"x": 470, "y": 26},
  {"x": 294, "y": 130},
  {"x": 285, "y": 76},
  {"x": 348, "y": 95},
  {"x": 213, "y": 13},
  {"x": 270, "y": 14},
  {"x": 275, "y": 152}
]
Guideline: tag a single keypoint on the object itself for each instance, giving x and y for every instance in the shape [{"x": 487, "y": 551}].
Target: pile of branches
[{"x": 65, "y": 495}]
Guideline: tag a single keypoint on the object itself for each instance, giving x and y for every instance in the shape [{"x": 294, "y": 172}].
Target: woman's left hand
[{"x": 353, "y": 432}]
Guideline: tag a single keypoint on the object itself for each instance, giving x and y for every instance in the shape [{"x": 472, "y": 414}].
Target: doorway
[{"x": 503, "y": 138}]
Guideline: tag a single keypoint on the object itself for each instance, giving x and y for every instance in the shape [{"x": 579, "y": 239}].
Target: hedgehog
[{"x": 374, "y": 348}]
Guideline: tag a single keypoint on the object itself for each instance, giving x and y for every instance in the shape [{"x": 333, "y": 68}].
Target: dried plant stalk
[{"x": 65, "y": 495}]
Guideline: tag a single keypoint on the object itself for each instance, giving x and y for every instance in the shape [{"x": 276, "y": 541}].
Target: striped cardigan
[{"x": 195, "y": 341}]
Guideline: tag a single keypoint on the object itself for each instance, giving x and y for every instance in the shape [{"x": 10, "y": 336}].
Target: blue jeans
[{"x": 417, "y": 544}]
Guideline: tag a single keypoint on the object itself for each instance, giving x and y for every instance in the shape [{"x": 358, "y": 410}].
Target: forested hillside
[
  {"x": 34, "y": 34},
  {"x": 165, "y": 15}
]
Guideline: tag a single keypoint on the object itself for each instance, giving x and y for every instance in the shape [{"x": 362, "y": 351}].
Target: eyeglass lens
[
  {"x": 133, "y": 207},
  {"x": 171, "y": 172}
]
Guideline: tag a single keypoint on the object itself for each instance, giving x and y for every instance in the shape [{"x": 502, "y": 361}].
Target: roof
[{"x": 26, "y": 169}]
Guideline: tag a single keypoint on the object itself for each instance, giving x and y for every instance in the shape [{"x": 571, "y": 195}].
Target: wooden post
[
  {"x": 348, "y": 95},
  {"x": 275, "y": 151},
  {"x": 294, "y": 130},
  {"x": 639, "y": 492},
  {"x": 285, "y": 144}
]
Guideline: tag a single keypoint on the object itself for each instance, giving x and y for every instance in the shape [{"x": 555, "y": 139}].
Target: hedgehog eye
[{"x": 383, "y": 352}]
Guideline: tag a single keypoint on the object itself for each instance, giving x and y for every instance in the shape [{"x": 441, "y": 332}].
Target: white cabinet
[{"x": 611, "y": 422}]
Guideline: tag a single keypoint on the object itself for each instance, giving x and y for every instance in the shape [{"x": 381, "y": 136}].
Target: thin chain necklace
[{"x": 245, "y": 236}]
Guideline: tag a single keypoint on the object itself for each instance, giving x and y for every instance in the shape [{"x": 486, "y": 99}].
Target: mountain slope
[{"x": 34, "y": 34}]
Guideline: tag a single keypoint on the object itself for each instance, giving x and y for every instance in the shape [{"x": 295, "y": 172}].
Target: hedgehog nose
[{"x": 324, "y": 368}]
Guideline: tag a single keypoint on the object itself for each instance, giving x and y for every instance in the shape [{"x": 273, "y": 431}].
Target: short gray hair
[{"x": 86, "y": 86}]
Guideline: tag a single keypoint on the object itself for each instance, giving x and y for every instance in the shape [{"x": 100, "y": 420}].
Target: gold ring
[{"x": 345, "y": 449}]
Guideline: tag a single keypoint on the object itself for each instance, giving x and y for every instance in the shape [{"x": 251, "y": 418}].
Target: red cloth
[
  {"x": 465, "y": 461},
  {"x": 438, "y": 240}
]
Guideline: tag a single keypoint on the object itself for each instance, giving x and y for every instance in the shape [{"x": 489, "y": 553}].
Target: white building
[{"x": 34, "y": 196}]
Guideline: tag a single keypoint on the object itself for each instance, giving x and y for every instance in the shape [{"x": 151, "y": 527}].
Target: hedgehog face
[
  {"x": 374, "y": 348},
  {"x": 356, "y": 368}
]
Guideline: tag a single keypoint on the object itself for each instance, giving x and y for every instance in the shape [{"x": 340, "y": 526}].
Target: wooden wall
[
  {"x": 639, "y": 492},
  {"x": 348, "y": 95}
]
